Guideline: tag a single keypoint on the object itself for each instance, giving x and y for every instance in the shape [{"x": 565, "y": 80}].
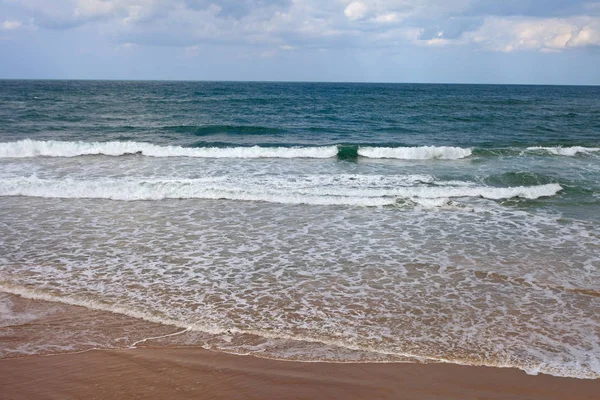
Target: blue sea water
[{"x": 372, "y": 222}]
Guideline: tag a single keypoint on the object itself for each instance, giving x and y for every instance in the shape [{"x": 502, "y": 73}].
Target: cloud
[
  {"x": 387, "y": 18},
  {"x": 508, "y": 25},
  {"x": 11, "y": 25},
  {"x": 540, "y": 34},
  {"x": 356, "y": 10},
  {"x": 95, "y": 8},
  {"x": 238, "y": 9},
  {"x": 529, "y": 8}
]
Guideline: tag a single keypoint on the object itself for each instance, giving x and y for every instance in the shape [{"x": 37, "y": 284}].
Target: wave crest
[
  {"x": 416, "y": 153},
  {"x": 565, "y": 151},
  {"x": 38, "y": 148},
  {"x": 28, "y": 148},
  {"x": 129, "y": 189},
  {"x": 35, "y": 148}
]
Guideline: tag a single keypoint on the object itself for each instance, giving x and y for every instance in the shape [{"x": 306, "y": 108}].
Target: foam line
[
  {"x": 548, "y": 368},
  {"x": 35, "y": 148},
  {"x": 565, "y": 151},
  {"x": 415, "y": 153},
  {"x": 128, "y": 189}
]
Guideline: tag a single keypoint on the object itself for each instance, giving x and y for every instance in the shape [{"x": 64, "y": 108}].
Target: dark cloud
[
  {"x": 310, "y": 24},
  {"x": 529, "y": 8},
  {"x": 238, "y": 9}
]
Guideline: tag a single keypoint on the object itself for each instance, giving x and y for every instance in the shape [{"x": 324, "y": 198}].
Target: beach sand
[
  {"x": 195, "y": 373},
  {"x": 186, "y": 373}
]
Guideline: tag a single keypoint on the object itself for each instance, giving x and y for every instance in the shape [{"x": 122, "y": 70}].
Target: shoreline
[
  {"x": 159, "y": 370},
  {"x": 181, "y": 373},
  {"x": 121, "y": 331}
]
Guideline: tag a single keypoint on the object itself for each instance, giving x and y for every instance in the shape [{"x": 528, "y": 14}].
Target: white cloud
[
  {"x": 10, "y": 25},
  {"x": 94, "y": 8},
  {"x": 438, "y": 42},
  {"x": 387, "y": 18},
  {"x": 539, "y": 34},
  {"x": 356, "y": 10},
  {"x": 589, "y": 35}
]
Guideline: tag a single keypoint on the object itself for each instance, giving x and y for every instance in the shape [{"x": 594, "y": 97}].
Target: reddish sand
[{"x": 190, "y": 373}]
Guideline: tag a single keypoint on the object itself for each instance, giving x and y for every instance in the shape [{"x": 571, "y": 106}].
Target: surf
[
  {"x": 29, "y": 148},
  {"x": 256, "y": 189}
]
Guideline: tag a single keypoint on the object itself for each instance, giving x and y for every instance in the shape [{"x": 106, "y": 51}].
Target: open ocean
[{"x": 313, "y": 221}]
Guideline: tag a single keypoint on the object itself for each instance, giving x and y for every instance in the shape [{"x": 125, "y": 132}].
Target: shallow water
[{"x": 307, "y": 221}]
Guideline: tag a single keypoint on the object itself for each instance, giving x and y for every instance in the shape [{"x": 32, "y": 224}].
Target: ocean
[{"x": 312, "y": 221}]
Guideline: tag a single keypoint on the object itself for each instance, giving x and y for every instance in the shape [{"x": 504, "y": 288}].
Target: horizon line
[{"x": 300, "y": 81}]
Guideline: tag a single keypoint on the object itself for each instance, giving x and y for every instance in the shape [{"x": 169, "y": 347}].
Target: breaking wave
[
  {"x": 36, "y": 148},
  {"x": 51, "y": 148},
  {"x": 415, "y": 153},
  {"x": 257, "y": 189},
  {"x": 565, "y": 151}
]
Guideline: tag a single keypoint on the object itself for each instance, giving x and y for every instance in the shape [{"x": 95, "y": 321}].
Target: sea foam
[
  {"x": 51, "y": 148},
  {"x": 565, "y": 151},
  {"x": 415, "y": 153},
  {"x": 132, "y": 189}
]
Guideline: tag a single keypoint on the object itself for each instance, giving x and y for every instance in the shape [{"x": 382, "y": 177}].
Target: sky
[{"x": 445, "y": 41}]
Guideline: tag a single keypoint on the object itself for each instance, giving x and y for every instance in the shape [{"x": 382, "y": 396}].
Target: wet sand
[
  {"x": 186, "y": 373},
  {"x": 168, "y": 372}
]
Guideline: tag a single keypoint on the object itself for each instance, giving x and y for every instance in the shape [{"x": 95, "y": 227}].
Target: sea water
[{"x": 314, "y": 221}]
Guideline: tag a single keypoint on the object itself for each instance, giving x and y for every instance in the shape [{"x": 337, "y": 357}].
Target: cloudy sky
[{"x": 502, "y": 41}]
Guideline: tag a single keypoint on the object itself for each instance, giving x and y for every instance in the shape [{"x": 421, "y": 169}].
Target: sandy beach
[
  {"x": 187, "y": 373},
  {"x": 191, "y": 372}
]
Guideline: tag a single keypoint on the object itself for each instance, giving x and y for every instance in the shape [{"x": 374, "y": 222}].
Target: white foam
[
  {"x": 415, "y": 153},
  {"x": 94, "y": 305},
  {"x": 565, "y": 151},
  {"x": 10, "y": 317},
  {"x": 432, "y": 203},
  {"x": 132, "y": 190},
  {"x": 255, "y": 189},
  {"x": 491, "y": 193},
  {"x": 350, "y": 276},
  {"x": 35, "y": 148},
  {"x": 573, "y": 369}
]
